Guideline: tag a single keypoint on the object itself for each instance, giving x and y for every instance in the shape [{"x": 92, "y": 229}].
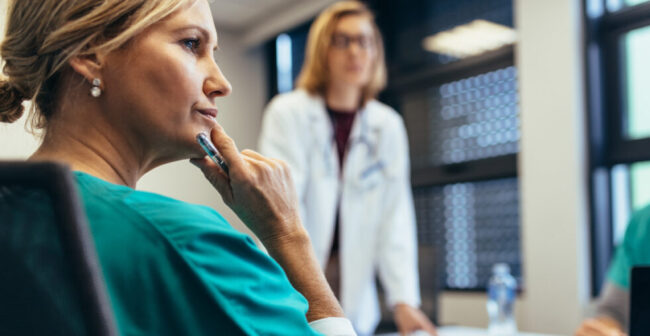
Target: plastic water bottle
[{"x": 501, "y": 301}]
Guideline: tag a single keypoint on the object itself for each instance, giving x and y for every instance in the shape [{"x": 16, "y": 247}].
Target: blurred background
[{"x": 529, "y": 131}]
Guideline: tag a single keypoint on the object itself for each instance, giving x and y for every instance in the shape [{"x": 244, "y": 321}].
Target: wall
[
  {"x": 15, "y": 142},
  {"x": 553, "y": 176},
  {"x": 553, "y": 163}
]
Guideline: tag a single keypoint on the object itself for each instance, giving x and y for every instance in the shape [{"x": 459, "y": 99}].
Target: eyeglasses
[{"x": 343, "y": 41}]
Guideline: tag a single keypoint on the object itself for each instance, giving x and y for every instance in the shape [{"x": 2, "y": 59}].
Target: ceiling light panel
[{"x": 474, "y": 38}]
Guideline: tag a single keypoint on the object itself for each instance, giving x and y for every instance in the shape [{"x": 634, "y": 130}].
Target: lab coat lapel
[
  {"x": 359, "y": 145},
  {"x": 323, "y": 134}
]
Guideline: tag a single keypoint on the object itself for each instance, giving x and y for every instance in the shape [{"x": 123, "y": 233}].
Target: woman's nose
[
  {"x": 216, "y": 84},
  {"x": 355, "y": 48}
]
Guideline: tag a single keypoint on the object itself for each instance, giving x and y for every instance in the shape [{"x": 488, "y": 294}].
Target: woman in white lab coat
[{"x": 348, "y": 155}]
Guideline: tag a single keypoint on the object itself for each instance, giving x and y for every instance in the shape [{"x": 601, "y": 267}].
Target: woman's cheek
[{"x": 190, "y": 80}]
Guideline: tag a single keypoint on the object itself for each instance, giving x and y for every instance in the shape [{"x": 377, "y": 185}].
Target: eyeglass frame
[{"x": 343, "y": 41}]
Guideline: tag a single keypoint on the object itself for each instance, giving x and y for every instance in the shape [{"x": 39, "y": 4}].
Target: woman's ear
[{"x": 88, "y": 66}]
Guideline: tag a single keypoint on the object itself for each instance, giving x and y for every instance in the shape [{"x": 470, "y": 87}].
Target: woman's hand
[
  {"x": 258, "y": 189},
  {"x": 409, "y": 319},
  {"x": 600, "y": 326},
  {"x": 261, "y": 193}
]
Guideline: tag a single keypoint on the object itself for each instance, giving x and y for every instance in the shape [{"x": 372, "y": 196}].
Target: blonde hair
[
  {"x": 43, "y": 35},
  {"x": 314, "y": 75}
]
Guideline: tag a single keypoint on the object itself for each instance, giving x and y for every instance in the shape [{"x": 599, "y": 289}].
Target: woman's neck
[
  {"x": 343, "y": 98},
  {"x": 85, "y": 140},
  {"x": 81, "y": 134},
  {"x": 90, "y": 155}
]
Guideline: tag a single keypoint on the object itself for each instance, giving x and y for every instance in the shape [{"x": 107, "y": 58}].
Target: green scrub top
[
  {"x": 173, "y": 268},
  {"x": 634, "y": 250}
]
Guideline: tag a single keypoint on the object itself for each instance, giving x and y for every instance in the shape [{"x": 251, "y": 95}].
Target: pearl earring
[{"x": 95, "y": 91}]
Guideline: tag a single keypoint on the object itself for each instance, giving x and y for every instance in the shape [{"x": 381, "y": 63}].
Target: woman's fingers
[
  {"x": 274, "y": 163},
  {"x": 254, "y": 154},
  {"x": 410, "y": 319},
  {"x": 595, "y": 327},
  {"x": 258, "y": 189},
  {"x": 226, "y": 146}
]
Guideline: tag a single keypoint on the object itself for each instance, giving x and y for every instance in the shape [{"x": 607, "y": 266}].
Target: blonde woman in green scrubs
[{"x": 121, "y": 87}]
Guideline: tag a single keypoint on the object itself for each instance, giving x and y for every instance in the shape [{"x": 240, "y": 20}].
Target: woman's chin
[{"x": 354, "y": 81}]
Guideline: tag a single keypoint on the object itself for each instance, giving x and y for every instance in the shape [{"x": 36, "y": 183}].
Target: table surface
[{"x": 461, "y": 331}]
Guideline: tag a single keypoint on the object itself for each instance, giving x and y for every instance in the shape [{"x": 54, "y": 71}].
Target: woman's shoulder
[
  {"x": 148, "y": 241},
  {"x": 382, "y": 116},
  {"x": 294, "y": 110},
  {"x": 300, "y": 95},
  {"x": 294, "y": 101},
  {"x": 639, "y": 225},
  {"x": 106, "y": 202},
  {"x": 381, "y": 110},
  {"x": 94, "y": 186}
]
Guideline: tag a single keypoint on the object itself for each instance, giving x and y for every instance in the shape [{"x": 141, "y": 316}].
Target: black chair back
[
  {"x": 640, "y": 301},
  {"x": 50, "y": 278}
]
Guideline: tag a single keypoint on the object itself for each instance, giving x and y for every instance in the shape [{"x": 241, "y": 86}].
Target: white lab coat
[{"x": 377, "y": 221}]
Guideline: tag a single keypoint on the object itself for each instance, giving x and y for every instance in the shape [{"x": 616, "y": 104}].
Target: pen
[{"x": 212, "y": 151}]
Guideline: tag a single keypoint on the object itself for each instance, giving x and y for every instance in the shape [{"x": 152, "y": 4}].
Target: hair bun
[{"x": 11, "y": 102}]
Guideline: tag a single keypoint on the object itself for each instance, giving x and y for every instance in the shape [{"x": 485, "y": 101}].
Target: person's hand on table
[
  {"x": 600, "y": 326},
  {"x": 409, "y": 319}
]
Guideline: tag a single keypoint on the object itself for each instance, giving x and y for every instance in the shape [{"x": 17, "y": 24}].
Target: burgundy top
[{"x": 342, "y": 123}]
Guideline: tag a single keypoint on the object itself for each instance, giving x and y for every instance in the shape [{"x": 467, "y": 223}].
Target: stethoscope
[{"x": 364, "y": 139}]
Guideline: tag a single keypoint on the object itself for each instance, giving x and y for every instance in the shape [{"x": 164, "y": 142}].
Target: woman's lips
[
  {"x": 210, "y": 112},
  {"x": 354, "y": 67}
]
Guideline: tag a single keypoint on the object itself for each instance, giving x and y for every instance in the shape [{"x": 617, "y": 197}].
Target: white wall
[
  {"x": 553, "y": 174},
  {"x": 15, "y": 142},
  {"x": 553, "y": 163}
]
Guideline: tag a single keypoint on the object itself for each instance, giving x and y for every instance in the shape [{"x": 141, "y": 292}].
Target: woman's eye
[{"x": 191, "y": 44}]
